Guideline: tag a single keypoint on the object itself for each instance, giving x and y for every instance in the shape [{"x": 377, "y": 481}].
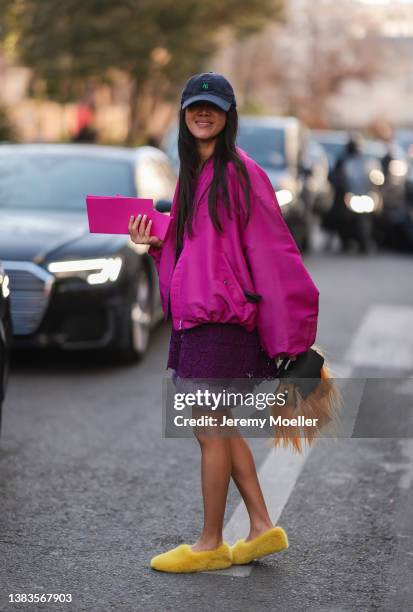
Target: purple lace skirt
[{"x": 220, "y": 351}]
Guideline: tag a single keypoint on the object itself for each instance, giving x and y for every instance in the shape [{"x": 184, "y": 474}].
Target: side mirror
[{"x": 163, "y": 206}]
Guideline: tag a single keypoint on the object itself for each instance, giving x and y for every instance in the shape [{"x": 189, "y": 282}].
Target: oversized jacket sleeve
[{"x": 288, "y": 311}]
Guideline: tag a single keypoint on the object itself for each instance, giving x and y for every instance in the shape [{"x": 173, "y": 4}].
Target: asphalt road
[{"x": 90, "y": 490}]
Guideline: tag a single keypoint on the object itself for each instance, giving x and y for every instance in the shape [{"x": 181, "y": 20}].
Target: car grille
[{"x": 29, "y": 294}]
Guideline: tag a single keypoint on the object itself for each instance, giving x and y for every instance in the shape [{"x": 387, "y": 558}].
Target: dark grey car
[
  {"x": 70, "y": 288},
  {"x": 6, "y": 335}
]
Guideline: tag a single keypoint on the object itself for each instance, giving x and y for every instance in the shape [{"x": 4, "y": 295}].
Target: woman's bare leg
[
  {"x": 245, "y": 476},
  {"x": 224, "y": 456},
  {"x": 216, "y": 475}
]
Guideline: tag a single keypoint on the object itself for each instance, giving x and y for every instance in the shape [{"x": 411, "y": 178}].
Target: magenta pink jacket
[{"x": 214, "y": 271}]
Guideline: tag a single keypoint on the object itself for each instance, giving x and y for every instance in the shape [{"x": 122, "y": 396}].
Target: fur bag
[{"x": 309, "y": 395}]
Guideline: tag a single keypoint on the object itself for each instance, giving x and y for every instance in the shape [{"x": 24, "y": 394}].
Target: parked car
[
  {"x": 394, "y": 225},
  {"x": 6, "y": 336},
  {"x": 409, "y": 184},
  {"x": 317, "y": 189},
  {"x": 392, "y": 175},
  {"x": 404, "y": 138},
  {"x": 282, "y": 147},
  {"x": 70, "y": 288},
  {"x": 375, "y": 152},
  {"x": 277, "y": 144},
  {"x": 394, "y": 166},
  {"x": 333, "y": 142},
  {"x": 169, "y": 144}
]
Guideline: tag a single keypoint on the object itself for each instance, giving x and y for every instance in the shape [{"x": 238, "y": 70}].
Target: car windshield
[
  {"x": 266, "y": 145},
  {"x": 60, "y": 182}
]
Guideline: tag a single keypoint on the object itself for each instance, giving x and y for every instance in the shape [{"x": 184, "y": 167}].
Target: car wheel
[{"x": 137, "y": 321}]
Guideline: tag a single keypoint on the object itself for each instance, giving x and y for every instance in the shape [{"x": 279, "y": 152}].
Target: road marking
[
  {"x": 340, "y": 369},
  {"x": 278, "y": 475},
  {"x": 384, "y": 338},
  {"x": 405, "y": 387}
]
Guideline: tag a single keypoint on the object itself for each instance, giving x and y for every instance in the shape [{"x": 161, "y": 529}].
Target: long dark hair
[{"x": 224, "y": 152}]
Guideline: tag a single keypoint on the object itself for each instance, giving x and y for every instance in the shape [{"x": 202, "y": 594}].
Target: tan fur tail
[{"x": 324, "y": 404}]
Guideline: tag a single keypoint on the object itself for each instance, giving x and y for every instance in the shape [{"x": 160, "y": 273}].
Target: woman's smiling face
[{"x": 205, "y": 120}]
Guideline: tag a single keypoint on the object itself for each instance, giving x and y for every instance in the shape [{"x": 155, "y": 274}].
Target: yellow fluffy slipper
[
  {"x": 269, "y": 542},
  {"x": 183, "y": 559}
]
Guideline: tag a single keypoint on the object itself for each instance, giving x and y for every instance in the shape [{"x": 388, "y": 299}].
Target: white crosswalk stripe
[{"x": 384, "y": 338}]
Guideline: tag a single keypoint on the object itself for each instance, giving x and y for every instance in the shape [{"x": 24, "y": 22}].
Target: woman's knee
[
  {"x": 208, "y": 437},
  {"x": 210, "y": 428}
]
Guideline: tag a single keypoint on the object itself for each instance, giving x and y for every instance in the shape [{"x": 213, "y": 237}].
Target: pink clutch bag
[{"x": 111, "y": 214}]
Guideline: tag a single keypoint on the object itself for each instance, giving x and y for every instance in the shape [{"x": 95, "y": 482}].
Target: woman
[{"x": 239, "y": 296}]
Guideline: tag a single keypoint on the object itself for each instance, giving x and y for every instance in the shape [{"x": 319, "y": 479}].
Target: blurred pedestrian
[
  {"x": 86, "y": 134},
  {"x": 85, "y": 118},
  {"x": 349, "y": 177},
  {"x": 240, "y": 298}
]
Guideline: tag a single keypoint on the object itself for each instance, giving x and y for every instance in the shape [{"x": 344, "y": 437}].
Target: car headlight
[
  {"x": 5, "y": 285},
  {"x": 94, "y": 271},
  {"x": 398, "y": 167},
  {"x": 284, "y": 196},
  {"x": 376, "y": 176},
  {"x": 360, "y": 203}
]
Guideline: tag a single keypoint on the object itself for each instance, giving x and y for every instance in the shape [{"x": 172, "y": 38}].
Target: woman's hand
[{"x": 140, "y": 232}]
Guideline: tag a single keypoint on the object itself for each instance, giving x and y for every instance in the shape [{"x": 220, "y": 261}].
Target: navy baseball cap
[{"x": 210, "y": 87}]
